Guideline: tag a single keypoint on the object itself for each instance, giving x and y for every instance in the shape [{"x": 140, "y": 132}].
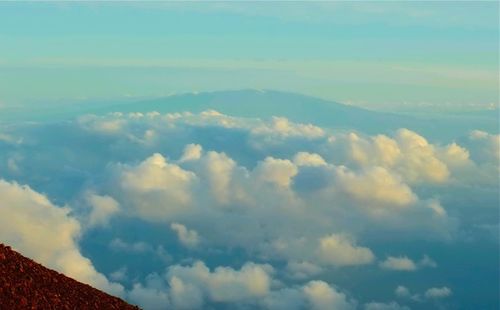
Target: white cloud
[
  {"x": 151, "y": 296},
  {"x": 197, "y": 287},
  {"x": 488, "y": 146},
  {"x": 376, "y": 186},
  {"x": 285, "y": 299},
  {"x": 187, "y": 237},
  {"x": 218, "y": 169},
  {"x": 438, "y": 292},
  {"x": 403, "y": 263},
  {"x": 402, "y": 291},
  {"x": 385, "y": 306},
  {"x": 10, "y": 139},
  {"x": 191, "y": 152},
  {"x": 103, "y": 208},
  {"x": 185, "y": 295},
  {"x": 31, "y": 224},
  {"x": 426, "y": 261},
  {"x": 155, "y": 189},
  {"x": 103, "y": 125},
  {"x": 308, "y": 159},
  {"x": 276, "y": 171},
  {"x": 323, "y": 297},
  {"x": 119, "y": 274},
  {"x": 223, "y": 284},
  {"x": 406, "y": 153},
  {"x": 302, "y": 269},
  {"x": 339, "y": 250},
  {"x": 282, "y": 127},
  {"x": 400, "y": 263}
]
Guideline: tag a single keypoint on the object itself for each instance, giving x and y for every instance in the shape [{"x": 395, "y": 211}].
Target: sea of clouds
[{"x": 201, "y": 211}]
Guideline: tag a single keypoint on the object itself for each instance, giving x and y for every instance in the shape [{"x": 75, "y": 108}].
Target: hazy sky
[{"x": 374, "y": 54}]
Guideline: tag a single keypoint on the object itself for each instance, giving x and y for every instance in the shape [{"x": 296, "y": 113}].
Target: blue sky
[{"x": 382, "y": 55}]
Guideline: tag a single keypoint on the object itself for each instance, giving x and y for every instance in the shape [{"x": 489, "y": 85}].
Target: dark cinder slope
[{"x": 25, "y": 284}]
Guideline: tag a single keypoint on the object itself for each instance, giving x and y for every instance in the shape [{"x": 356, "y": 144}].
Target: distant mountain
[
  {"x": 25, "y": 284},
  {"x": 307, "y": 109},
  {"x": 267, "y": 103}
]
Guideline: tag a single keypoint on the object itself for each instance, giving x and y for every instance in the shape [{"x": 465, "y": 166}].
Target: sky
[
  {"x": 381, "y": 55},
  {"x": 179, "y": 155}
]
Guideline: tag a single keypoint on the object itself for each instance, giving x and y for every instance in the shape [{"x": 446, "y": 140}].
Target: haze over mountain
[{"x": 266, "y": 103}]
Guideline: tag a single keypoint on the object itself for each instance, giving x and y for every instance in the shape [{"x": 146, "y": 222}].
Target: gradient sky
[{"x": 381, "y": 55}]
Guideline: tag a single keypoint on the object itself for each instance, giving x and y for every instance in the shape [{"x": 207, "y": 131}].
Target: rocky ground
[{"x": 25, "y": 284}]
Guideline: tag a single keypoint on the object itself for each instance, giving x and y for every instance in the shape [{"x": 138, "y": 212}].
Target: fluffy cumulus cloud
[
  {"x": 102, "y": 209},
  {"x": 196, "y": 286},
  {"x": 31, "y": 224},
  {"x": 244, "y": 212},
  {"x": 282, "y": 127},
  {"x": 186, "y": 236},
  {"x": 189, "y": 287},
  {"x": 154, "y": 188},
  {"x": 438, "y": 292},
  {"x": 322, "y": 297},
  {"x": 400, "y": 263},
  {"x": 402, "y": 291},
  {"x": 406, "y": 153},
  {"x": 385, "y": 306},
  {"x": 403, "y": 263},
  {"x": 339, "y": 250}
]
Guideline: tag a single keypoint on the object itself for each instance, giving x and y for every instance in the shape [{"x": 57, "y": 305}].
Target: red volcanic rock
[{"x": 25, "y": 284}]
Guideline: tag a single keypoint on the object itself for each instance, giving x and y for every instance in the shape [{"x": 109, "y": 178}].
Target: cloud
[
  {"x": 279, "y": 172},
  {"x": 426, "y": 261},
  {"x": 218, "y": 169},
  {"x": 31, "y": 224},
  {"x": 376, "y": 186},
  {"x": 119, "y": 274},
  {"x": 226, "y": 284},
  {"x": 10, "y": 139},
  {"x": 307, "y": 200},
  {"x": 400, "y": 263},
  {"x": 302, "y": 269},
  {"x": 196, "y": 287},
  {"x": 438, "y": 292},
  {"x": 282, "y": 127},
  {"x": 323, "y": 297},
  {"x": 190, "y": 287},
  {"x": 102, "y": 126},
  {"x": 339, "y": 250},
  {"x": 308, "y": 159},
  {"x": 151, "y": 296},
  {"x": 103, "y": 208},
  {"x": 384, "y": 306},
  {"x": 155, "y": 189},
  {"x": 407, "y": 154},
  {"x": 187, "y": 237},
  {"x": 403, "y": 263},
  {"x": 486, "y": 146},
  {"x": 402, "y": 291},
  {"x": 191, "y": 152}
]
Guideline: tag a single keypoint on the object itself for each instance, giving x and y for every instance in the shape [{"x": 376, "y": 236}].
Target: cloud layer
[{"x": 208, "y": 210}]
